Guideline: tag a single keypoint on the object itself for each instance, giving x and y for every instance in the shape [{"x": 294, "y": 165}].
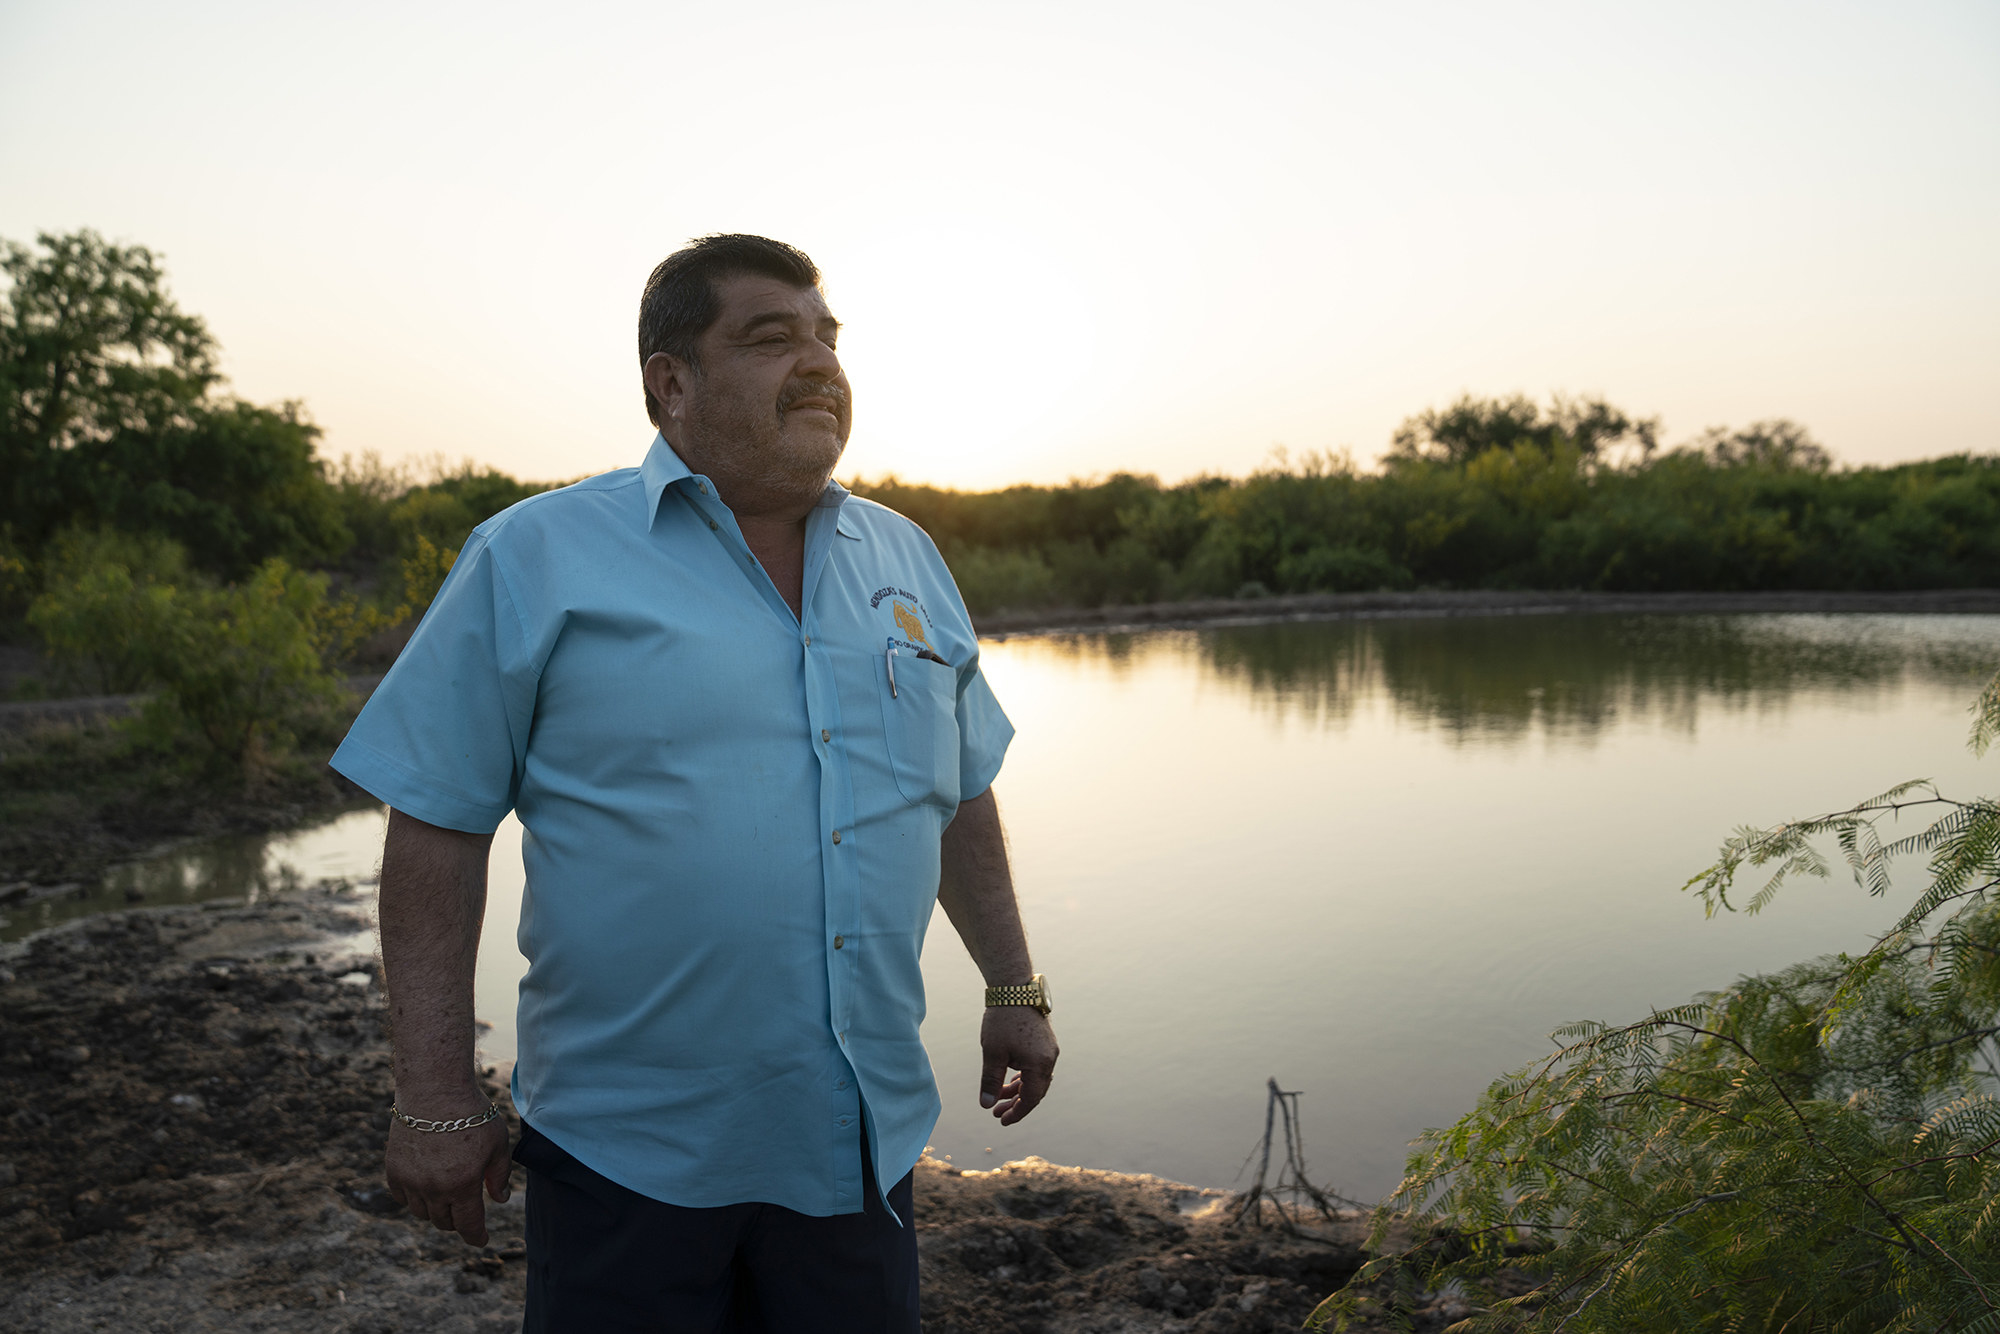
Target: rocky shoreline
[{"x": 193, "y": 1103}]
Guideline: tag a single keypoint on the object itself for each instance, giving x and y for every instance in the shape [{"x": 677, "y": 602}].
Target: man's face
[{"x": 769, "y": 409}]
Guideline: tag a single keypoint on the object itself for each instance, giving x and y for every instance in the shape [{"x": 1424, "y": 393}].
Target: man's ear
[{"x": 666, "y": 378}]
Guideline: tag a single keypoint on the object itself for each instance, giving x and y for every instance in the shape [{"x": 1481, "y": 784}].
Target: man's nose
[{"x": 819, "y": 361}]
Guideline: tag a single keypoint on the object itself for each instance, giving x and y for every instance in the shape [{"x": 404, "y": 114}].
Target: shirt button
[
  {"x": 836, "y": 836},
  {"x": 701, "y": 487},
  {"x": 843, "y": 1120},
  {"x": 711, "y": 525},
  {"x": 839, "y": 941},
  {"x": 809, "y": 641},
  {"x": 825, "y": 735},
  {"x": 840, "y": 1083}
]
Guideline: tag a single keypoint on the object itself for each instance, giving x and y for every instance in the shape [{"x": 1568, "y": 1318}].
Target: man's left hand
[{"x": 1018, "y": 1038}]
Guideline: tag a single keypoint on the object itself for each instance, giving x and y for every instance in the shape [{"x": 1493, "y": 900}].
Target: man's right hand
[
  {"x": 432, "y": 899},
  {"x": 438, "y": 1177}
]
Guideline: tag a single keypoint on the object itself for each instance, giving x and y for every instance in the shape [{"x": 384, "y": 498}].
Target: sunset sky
[{"x": 1066, "y": 239}]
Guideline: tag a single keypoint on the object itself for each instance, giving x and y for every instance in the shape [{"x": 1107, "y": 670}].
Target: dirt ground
[{"x": 193, "y": 1103}]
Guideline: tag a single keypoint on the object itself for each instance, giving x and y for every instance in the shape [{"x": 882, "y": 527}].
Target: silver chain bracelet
[{"x": 492, "y": 1113}]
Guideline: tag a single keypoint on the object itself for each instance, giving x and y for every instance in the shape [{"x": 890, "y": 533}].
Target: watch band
[{"x": 1034, "y": 993}]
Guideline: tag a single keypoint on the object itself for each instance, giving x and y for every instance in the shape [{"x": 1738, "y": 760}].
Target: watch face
[{"x": 1043, "y": 983}]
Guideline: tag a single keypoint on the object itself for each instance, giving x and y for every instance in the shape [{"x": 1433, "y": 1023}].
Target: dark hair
[{"x": 679, "y": 303}]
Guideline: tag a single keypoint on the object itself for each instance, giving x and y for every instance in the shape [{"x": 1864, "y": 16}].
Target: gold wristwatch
[{"x": 1035, "y": 994}]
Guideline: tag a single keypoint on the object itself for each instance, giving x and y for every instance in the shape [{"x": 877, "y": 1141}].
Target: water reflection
[
  {"x": 1498, "y": 678},
  {"x": 1378, "y": 859},
  {"x": 343, "y": 846},
  {"x": 1382, "y": 860}
]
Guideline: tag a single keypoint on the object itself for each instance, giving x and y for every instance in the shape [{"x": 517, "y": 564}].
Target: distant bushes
[
  {"x": 391, "y": 513},
  {"x": 1757, "y": 508},
  {"x": 112, "y": 417},
  {"x": 238, "y": 671},
  {"x": 107, "y": 608}
]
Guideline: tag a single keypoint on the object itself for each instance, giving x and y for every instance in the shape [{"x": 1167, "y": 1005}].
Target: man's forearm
[
  {"x": 433, "y": 898},
  {"x": 977, "y": 891},
  {"x": 976, "y": 888}
]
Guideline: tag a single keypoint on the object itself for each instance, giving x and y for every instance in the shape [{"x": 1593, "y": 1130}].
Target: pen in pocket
[{"x": 889, "y": 656}]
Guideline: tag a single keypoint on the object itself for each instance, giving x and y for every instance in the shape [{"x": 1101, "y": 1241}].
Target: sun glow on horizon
[{"x": 1066, "y": 241}]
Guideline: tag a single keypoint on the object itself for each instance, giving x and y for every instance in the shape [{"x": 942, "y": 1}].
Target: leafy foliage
[
  {"x": 1986, "y": 718},
  {"x": 418, "y": 513},
  {"x": 240, "y": 667},
  {"x": 109, "y": 414},
  {"x": 91, "y": 347},
  {"x": 1473, "y": 426},
  {"x": 106, "y": 606},
  {"x": 1482, "y": 494},
  {"x": 235, "y": 484},
  {"x": 1810, "y": 1150},
  {"x": 343, "y": 624},
  {"x": 16, "y": 577}
]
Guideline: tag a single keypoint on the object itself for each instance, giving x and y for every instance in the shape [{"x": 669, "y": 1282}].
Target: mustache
[{"x": 796, "y": 391}]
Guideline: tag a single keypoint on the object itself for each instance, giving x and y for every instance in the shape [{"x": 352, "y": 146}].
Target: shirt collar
[
  {"x": 835, "y": 498},
  {"x": 664, "y": 467}
]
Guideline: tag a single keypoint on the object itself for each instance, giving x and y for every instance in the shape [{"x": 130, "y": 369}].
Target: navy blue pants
[{"x": 603, "y": 1259}]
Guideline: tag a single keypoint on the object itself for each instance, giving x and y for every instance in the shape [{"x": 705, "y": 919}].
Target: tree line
[
  {"x": 113, "y": 415},
  {"x": 123, "y": 450},
  {"x": 1485, "y": 493}
]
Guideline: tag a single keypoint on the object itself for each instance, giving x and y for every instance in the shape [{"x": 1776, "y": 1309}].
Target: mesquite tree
[{"x": 1815, "y": 1149}]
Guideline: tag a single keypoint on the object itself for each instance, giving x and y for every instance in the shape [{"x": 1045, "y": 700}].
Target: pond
[{"x": 1378, "y": 860}]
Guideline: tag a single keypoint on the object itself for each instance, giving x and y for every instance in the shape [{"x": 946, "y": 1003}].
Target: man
[{"x": 740, "y": 715}]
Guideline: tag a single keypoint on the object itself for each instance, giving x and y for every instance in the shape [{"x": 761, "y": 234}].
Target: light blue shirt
[{"x": 731, "y": 821}]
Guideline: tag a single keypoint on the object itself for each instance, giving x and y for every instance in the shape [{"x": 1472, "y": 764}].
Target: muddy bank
[
  {"x": 65, "y": 826},
  {"x": 1342, "y": 606},
  {"x": 78, "y": 793},
  {"x": 193, "y": 1103}
]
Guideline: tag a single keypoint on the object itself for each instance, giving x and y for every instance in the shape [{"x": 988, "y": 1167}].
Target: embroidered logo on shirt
[
  {"x": 907, "y": 622},
  {"x": 909, "y": 616}
]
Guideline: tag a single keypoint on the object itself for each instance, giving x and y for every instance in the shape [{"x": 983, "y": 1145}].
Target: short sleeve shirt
[{"x": 731, "y": 821}]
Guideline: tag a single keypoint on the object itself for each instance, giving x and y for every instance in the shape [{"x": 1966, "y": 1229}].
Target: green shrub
[
  {"x": 240, "y": 667},
  {"x": 16, "y": 577},
  {"x": 240, "y": 670},
  {"x": 106, "y": 609},
  {"x": 1340, "y": 569},
  {"x": 1810, "y": 1150},
  {"x": 995, "y": 580}
]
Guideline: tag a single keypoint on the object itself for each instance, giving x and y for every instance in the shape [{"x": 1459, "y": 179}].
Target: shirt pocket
[{"x": 920, "y": 725}]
